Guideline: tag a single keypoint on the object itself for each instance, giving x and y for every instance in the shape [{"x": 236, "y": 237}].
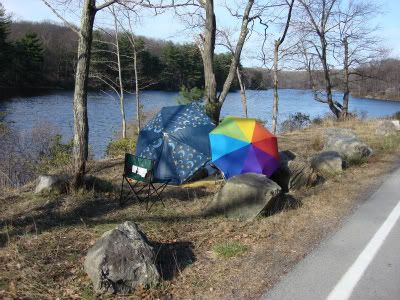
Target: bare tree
[
  {"x": 356, "y": 43},
  {"x": 121, "y": 86},
  {"x": 242, "y": 86},
  {"x": 228, "y": 44},
  {"x": 134, "y": 45},
  {"x": 81, "y": 127},
  {"x": 317, "y": 20},
  {"x": 207, "y": 47},
  {"x": 105, "y": 69},
  {"x": 277, "y": 44},
  {"x": 336, "y": 34}
]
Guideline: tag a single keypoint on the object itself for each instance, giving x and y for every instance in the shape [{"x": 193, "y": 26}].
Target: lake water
[{"x": 104, "y": 116}]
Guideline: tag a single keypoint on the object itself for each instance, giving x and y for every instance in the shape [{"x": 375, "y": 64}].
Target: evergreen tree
[
  {"x": 5, "y": 47},
  {"x": 101, "y": 56},
  {"x": 192, "y": 66},
  {"x": 149, "y": 68},
  {"x": 171, "y": 58},
  {"x": 28, "y": 60},
  {"x": 187, "y": 96},
  {"x": 222, "y": 62}
]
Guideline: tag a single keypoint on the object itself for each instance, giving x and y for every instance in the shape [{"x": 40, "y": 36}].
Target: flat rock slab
[
  {"x": 244, "y": 196},
  {"x": 121, "y": 260},
  {"x": 327, "y": 163}
]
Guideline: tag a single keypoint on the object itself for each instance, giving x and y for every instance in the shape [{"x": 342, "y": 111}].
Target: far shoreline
[{"x": 8, "y": 93}]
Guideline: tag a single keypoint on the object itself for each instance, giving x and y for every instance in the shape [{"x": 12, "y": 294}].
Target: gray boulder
[
  {"x": 346, "y": 143},
  {"x": 294, "y": 172},
  {"x": 301, "y": 174},
  {"x": 327, "y": 163},
  {"x": 121, "y": 260},
  {"x": 396, "y": 124},
  {"x": 387, "y": 127},
  {"x": 244, "y": 196},
  {"x": 51, "y": 183}
]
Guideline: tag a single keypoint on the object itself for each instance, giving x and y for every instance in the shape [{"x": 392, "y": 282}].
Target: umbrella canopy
[
  {"x": 177, "y": 140},
  {"x": 241, "y": 145}
]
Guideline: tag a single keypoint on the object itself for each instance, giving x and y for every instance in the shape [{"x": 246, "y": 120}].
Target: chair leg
[
  {"x": 135, "y": 193},
  {"x": 148, "y": 198},
  {"x": 121, "y": 194},
  {"x": 149, "y": 189},
  {"x": 158, "y": 192}
]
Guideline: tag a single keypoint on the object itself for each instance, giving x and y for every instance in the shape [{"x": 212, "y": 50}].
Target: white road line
[{"x": 349, "y": 280}]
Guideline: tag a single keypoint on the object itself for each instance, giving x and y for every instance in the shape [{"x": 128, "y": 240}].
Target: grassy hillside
[{"x": 44, "y": 239}]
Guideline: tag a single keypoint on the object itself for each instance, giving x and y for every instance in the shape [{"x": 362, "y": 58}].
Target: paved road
[{"x": 361, "y": 261}]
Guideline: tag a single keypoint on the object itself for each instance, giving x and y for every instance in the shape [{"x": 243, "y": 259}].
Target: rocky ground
[{"x": 44, "y": 238}]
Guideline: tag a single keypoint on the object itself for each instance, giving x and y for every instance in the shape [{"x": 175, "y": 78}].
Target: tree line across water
[{"x": 44, "y": 55}]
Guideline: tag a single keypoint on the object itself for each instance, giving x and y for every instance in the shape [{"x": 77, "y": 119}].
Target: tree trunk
[
  {"x": 121, "y": 87},
  {"x": 238, "y": 52},
  {"x": 242, "y": 92},
  {"x": 279, "y": 42},
  {"x": 214, "y": 104},
  {"x": 81, "y": 127},
  {"x": 138, "y": 108},
  {"x": 346, "y": 93},
  {"x": 210, "y": 84},
  {"x": 276, "y": 97},
  {"x": 328, "y": 84}
]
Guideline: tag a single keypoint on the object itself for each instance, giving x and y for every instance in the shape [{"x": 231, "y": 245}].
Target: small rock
[
  {"x": 327, "y": 163},
  {"x": 244, "y": 196},
  {"x": 51, "y": 183},
  {"x": 396, "y": 124},
  {"x": 121, "y": 260},
  {"x": 387, "y": 127}
]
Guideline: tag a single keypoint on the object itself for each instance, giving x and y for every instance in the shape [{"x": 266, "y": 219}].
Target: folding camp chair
[{"x": 138, "y": 173}]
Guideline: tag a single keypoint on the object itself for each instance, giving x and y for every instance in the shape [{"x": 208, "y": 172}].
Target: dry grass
[{"x": 44, "y": 239}]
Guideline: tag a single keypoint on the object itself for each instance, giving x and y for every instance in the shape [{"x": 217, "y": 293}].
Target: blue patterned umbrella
[{"x": 177, "y": 140}]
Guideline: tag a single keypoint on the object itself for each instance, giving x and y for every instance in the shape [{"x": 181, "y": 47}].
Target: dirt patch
[{"x": 44, "y": 239}]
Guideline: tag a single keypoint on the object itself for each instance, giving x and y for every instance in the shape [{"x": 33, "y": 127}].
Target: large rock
[
  {"x": 301, "y": 174},
  {"x": 244, "y": 196},
  {"x": 51, "y": 183},
  {"x": 327, "y": 163},
  {"x": 121, "y": 260},
  {"x": 387, "y": 127},
  {"x": 294, "y": 172},
  {"x": 346, "y": 143}
]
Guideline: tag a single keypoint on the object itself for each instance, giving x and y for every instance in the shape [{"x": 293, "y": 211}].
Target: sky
[{"x": 167, "y": 27}]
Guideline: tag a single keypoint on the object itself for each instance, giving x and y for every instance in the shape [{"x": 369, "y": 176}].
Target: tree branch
[
  {"x": 71, "y": 26},
  {"x": 105, "y": 4}
]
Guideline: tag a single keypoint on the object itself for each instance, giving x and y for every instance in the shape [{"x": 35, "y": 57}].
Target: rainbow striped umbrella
[{"x": 241, "y": 145}]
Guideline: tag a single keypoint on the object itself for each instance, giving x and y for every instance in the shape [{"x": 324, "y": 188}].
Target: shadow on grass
[
  {"x": 172, "y": 258},
  {"x": 281, "y": 203},
  {"x": 91, "y": 212}
]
